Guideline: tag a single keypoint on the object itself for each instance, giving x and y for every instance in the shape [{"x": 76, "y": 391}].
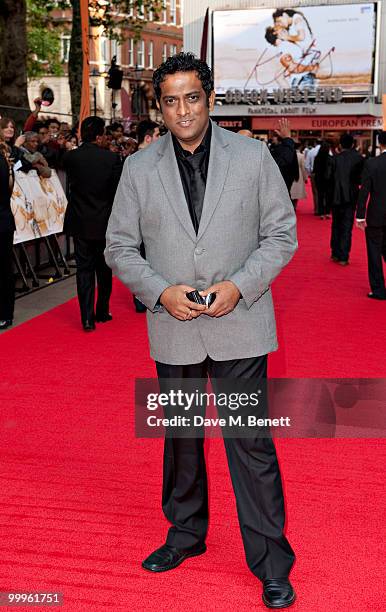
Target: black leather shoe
[
  {"x": 278, "y": 593},
  {"x": 167, "y": 557},
  {"x": 375, "y": 296},
  {"x": 6, "y": 323},
  {"x": 103, "y": 318},
  {"x": 88, "y": 326}
]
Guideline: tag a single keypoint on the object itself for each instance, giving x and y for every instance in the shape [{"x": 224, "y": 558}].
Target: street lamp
[
  {"x": 94, "y": 75},
  {"x": 137, "y": 91}
]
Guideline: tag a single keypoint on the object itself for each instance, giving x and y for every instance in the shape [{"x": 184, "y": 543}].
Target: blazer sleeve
[
  {"x": 277, "y": 233},
  {"x": 123, "y": 241},
  {"x": 364, "y": 192}
]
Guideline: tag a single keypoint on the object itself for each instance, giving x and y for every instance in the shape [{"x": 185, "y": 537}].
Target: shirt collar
[{"x": 204, "y": 146}]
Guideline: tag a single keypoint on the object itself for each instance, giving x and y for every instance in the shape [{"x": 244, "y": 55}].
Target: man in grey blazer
[{"x": 214, "y": 215}]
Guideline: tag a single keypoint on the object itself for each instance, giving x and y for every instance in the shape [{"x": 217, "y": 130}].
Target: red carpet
[{"x": 80, "y": 504}]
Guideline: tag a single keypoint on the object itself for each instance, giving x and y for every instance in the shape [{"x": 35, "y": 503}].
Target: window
[
  {"x": 173, "y": 12},
  {"x": 130, "y": 46},
  {"x": 65, "y": 47},
  {"x": 164, "y": 52},
  {"x": 150, "y": 52},
  {"x": 116, "y": 50},
  {"x": 164, "y": 14},
  {"x": 105, "y": 50},
  {"x": 173, "y": 49},
  {"x": 141, "y": 12},
  {"x": 141, "y": 53}
]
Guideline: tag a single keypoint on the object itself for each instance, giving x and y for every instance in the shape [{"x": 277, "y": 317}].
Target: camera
[{"x": 194, "y": 296}]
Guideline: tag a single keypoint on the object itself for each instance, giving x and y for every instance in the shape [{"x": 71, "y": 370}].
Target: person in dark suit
[
  {"x": 347, "y": 174},
  {"x": 323, "y": 174},
  {"x": 284, "y": 153},
  {"x": 93, "y": 174},
  {"x": 7, "y": 228},
  {"x": 374, "y": 220}
]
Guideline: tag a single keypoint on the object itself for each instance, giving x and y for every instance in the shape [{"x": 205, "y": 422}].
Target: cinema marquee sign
[{"x": 322, "y": 95}]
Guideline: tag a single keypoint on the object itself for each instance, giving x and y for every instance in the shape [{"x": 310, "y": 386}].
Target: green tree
[
  {"x": 42, "y": 53},
  {"x": 13, "y": 58},
  {"x": 43, "y": 41},
  {"x": 114, "y": 17}
]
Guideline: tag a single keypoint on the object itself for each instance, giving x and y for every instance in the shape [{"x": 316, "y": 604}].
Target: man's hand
[
  {"x": 361, "y": 224},
  {"x": 227, "y": 296},
  {"x": 284, "y": 130},
  {"x": 178, "y": 305},
  {"x": 38, "y": 106},
  {"x": 20, "y": 140}
]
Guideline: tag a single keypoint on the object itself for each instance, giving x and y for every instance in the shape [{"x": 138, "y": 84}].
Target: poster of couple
[{"x": 307, "y": 47}]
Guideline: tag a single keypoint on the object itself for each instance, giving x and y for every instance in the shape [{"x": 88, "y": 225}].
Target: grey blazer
[{"x": 247, "y": 234}]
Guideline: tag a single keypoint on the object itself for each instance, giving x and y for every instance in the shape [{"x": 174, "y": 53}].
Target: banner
[
  {"x": 38, "y": 206},
  {"x": 305, "y": 48},
  {"x": 85, "y": 97},
  {"x": 384, "y": 111}
]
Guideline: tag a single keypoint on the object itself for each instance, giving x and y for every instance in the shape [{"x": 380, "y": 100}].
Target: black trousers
[
  {"x": 341, "y": 231},
  {"x": 7, "y": 277},
  {"x": 323, "y": 201},
  {"x": 254, "y": 472},
  {"x": 90, "y": 263},
  {"x": 376, "y": 250}
]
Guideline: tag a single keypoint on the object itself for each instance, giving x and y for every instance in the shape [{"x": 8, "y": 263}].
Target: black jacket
[
  {"x": 373, "y": 184},
  {"x": 348, "y": 166},
  {"x": 7, "y": 222},
  {"x": 93, "y": 175},
  {"x": 285, "y": 156}
]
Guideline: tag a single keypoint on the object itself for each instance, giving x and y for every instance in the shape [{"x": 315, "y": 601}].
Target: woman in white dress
[{"x": 298, "y": 189}]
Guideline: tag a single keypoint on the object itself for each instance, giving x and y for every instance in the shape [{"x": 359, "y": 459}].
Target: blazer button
[{"x": 199, "y": 251}]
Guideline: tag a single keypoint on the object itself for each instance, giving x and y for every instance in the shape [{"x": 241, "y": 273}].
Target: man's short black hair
[
  {"x": 53, "y": 120},
  {"x": 146, "y": 128},
  {"x": 382, "y": 138},
  {"x": 184, "y": 62},
  {"x": 346, "y": 141},
  {"x": 271, "y": 36},
  {"x": 91, "y": 128},
  {"x": 39, "y": 125}
]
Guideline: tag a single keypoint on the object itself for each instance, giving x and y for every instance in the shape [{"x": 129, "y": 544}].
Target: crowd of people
[{"x": 335, "y": 173}]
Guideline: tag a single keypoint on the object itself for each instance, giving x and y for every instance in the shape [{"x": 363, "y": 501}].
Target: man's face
[
  {"x": 155, "y": 135},
  {"x": 184, "y": 107},
  {"x": 53, "y": 129},
  {"x": 152, "y": 138},
  {"x": 32, "y": 144},
  {"x": 44, "y": 135}
]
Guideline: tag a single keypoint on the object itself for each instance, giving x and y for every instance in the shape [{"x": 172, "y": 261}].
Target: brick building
[{"x": 159, "y": 39}]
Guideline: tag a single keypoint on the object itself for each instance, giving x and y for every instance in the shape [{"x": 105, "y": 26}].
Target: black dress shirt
[{"x": 193, "y": 169}]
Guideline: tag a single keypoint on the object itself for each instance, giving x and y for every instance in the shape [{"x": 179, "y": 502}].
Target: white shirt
[{"x": 309, "y": 163}]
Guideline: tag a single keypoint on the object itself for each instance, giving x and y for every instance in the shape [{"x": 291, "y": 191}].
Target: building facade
[
  {"x": 325, "y": 111},
  {"x": 135, "y": 100}
]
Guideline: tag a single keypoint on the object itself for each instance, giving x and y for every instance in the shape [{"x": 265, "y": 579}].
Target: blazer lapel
[
  {"x": 217, "y": 171},
  {"x": 171, "y": 181}
]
